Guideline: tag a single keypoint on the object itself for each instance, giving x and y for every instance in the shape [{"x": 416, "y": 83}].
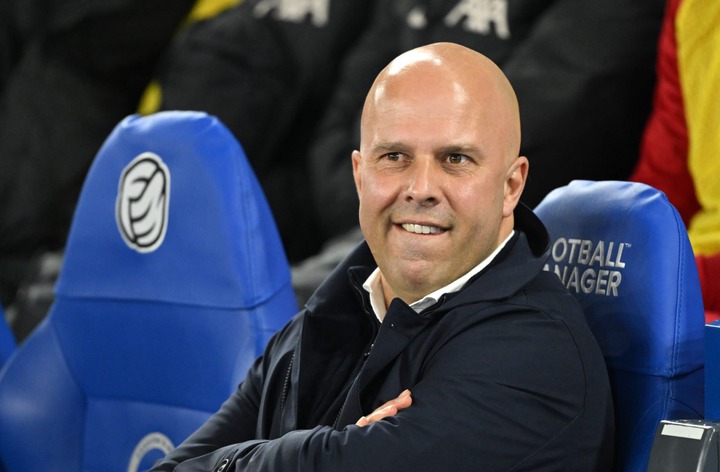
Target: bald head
[{"x": 448, "y": 71}]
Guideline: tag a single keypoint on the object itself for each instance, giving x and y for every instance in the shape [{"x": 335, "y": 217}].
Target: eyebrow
[
  {"x": 397, "y": 146},
  {"x": 461, "y": 149},
  {"x": 386, "y": 146}
]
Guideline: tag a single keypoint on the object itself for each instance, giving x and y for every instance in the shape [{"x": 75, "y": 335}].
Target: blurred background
[{"x": 289, "y": 77}]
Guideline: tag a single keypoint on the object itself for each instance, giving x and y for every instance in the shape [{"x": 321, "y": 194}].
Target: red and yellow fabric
[
  {"x": 698, "y": 50},
  {"x": 680, "y": 152}
]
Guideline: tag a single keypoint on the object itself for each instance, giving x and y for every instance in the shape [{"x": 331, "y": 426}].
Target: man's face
[{"x": 431, "y": 175}]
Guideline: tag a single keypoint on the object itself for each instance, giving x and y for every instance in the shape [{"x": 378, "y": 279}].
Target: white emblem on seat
[
  {"x": 143, "y": 197},
  {"x": 152, "y": 441}
]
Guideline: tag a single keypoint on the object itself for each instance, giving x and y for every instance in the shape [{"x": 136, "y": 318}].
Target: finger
[
  {"x": 376, "y": 415},
  {"x": 403, "y": 400},
  {"x": 381, "y": 413},
  {"x": 389, "y": 408}
]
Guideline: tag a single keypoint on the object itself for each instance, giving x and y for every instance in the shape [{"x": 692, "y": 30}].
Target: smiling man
[
  {"x": 439, "y": 343},
  {"x": 438, "y": 171}
]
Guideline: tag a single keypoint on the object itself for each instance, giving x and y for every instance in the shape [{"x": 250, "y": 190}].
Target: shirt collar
[{"x": 377, "y": 296}]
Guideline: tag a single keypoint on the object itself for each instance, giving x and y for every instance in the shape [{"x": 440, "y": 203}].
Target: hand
[{"x": 390, "y": 408}]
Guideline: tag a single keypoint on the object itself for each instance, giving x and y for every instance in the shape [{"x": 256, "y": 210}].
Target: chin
[{"x": 420, "y": 283}]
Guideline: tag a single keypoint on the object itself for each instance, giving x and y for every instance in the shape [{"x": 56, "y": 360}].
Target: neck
[{"x": 388, "y": 292}]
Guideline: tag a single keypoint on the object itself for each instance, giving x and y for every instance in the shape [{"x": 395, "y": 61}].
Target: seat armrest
[{"x": 690, "y": 445}]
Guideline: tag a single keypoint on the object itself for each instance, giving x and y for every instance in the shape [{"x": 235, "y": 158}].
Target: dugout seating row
[{"x": 163, "y": 302}]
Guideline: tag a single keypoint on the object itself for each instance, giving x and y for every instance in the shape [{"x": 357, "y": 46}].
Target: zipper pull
[
  {"x": 367, "y": 353},
  {"x": 222, "y": 466}
]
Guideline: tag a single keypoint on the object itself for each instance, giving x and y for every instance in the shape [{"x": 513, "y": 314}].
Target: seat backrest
[
  {"x": 623, "y": 250},
  {"x": 7, "y": 339},
  {"x": 173, "y": 280}
]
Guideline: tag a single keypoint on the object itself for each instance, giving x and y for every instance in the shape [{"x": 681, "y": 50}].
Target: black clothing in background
[
  {"x": 70, "y": 71},
  {"x": 267, "y": 70}
]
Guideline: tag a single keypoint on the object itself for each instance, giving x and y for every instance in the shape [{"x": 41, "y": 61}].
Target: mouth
[{"x": 422, "y": 229}]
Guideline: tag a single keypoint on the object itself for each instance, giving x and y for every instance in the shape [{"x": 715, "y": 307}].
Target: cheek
[
  {"x": 376, "y": 192},
  {"x": 369, "y": 205},
  {"x": 478, "y": 202}
]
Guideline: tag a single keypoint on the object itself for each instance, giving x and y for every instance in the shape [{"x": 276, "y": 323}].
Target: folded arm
[{"x": 488, "y": 397}]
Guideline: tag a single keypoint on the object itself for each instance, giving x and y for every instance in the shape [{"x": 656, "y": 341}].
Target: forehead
[
  {"x": 439, "y": 113},
  {"x": 426, "y": 87},
  {"x": 423, "y": 101},
  {"x": 427, "y": 83}
]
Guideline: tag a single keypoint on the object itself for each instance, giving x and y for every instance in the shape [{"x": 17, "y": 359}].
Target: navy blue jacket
[{"x": 505, "y": 375}]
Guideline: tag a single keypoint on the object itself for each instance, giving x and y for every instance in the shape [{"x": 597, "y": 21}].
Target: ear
[
  {"x": 356, "y": 170},
  {"x": 514, "y": 184}
]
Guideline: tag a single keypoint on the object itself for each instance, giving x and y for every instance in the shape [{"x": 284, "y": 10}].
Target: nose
[{"x": 423, "y": 187}]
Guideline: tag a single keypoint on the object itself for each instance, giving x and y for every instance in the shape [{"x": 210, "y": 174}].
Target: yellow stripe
[
  {"x": 205, "y": 9},
  {"x": 698, "y": 38}
]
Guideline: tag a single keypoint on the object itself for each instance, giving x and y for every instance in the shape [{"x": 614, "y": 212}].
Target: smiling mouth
[{"x": 421, "y": 229}]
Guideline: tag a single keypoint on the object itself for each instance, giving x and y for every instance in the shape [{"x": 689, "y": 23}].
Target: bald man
[{"x": 439, "y": 343}]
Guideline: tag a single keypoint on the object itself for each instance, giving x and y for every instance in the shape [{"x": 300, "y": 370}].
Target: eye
[
  {"x": 393, "y": 156},
  {"x": 457, "y": 158}
]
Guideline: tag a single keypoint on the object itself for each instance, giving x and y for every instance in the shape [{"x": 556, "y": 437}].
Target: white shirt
[{"x": 377, "y": 296}]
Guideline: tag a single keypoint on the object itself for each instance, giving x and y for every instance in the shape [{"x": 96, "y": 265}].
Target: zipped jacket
[{"x": 504, "y": 374}]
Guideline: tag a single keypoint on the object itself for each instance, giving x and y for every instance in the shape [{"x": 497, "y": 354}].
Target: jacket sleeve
[{"x": 504, "y": 394}]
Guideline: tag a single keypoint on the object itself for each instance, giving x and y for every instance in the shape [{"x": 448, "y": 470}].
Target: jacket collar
[{"x": 520, "y": 261}]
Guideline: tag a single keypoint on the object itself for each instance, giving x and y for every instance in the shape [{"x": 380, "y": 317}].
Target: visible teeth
[{"x": 420, "y": 229}]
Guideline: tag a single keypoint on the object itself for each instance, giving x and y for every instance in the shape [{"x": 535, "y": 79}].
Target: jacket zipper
[
  {"x": 363, "y": 359},
  {"x": 286, "y": 384},
  {"x": 358, "y": 369}
]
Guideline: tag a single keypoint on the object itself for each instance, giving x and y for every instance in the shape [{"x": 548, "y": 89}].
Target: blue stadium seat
[
  {"x": 173, "y": 280},
  {"x": 7, "y": 339},
  {"x": 712, "y": 370},
  {"x": 622, "y": 249}
]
